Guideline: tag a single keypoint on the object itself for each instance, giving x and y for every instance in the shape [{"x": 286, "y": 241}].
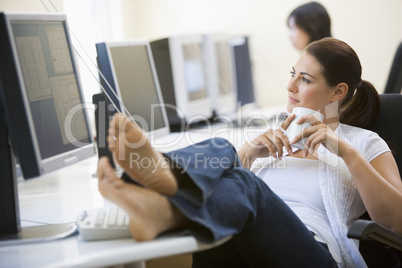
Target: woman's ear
[{"x": 340, "y": 91}]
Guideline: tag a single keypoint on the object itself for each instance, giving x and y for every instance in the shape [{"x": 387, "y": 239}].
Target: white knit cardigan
[{"x": 339, "y": 192}]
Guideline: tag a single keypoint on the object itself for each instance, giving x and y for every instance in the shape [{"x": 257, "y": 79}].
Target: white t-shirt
[
  {"x": 296, "y": 182},
  {"x": 337, "y": 189}
]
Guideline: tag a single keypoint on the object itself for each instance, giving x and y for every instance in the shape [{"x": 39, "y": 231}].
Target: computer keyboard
[{"x": 103, "y": 224}]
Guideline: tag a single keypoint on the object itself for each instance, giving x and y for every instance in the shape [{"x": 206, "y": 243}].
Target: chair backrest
[
  {"x": 394, "y": 82},
  {"x": 389, "y": 124}
]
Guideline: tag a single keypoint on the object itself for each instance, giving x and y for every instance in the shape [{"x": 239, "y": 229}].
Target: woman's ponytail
[
  {"x": 340, "y": 64},
  {"x": 362, "y": 108}
]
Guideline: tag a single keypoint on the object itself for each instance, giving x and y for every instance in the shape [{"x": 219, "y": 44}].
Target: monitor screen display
[
  {"x": 52, "y": 90},
  {"x": 136, "y": 85},
  {"x": 194, "y": 72}
]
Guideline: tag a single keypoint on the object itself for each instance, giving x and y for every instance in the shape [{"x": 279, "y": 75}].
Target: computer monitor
[
  {"x": 220, "y": 73},
  {"x": 244, "y": 77},
  {"x": 129, "y": 69},
  {"x": 180, "y": 64},
  {"x": 41, "y": 102}
]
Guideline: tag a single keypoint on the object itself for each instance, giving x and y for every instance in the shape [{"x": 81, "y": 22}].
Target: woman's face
[
  {"x": 307, "y": 86},
  {"x": 299, "y": 38}
]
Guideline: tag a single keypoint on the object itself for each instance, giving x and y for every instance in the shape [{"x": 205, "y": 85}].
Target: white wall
[
  {"x": 30, "y": 5},
  {"x": 371, "y": 27}
]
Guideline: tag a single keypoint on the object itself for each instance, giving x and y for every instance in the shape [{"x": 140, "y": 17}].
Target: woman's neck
[{"x": 332, "y": 122}]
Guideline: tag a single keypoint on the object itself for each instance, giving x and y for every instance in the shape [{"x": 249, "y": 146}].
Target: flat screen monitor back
[{"x": 244, "y": 76}]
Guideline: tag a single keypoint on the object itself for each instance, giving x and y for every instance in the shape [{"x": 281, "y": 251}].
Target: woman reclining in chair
[{"x": 294, "y": 214}]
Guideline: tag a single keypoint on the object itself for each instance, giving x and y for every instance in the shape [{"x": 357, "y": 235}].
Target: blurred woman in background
[{"x": 308, "y": 23}]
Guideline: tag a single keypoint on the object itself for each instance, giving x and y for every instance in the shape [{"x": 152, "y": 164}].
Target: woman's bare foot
[
  {"x": 150, "y": 212},
  {"x": 134, "y": 153}
]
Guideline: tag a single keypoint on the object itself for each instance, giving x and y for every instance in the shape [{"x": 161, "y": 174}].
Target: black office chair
[
  {"x": 394, "y": 82},
  {"x": 379, "y": 246}
]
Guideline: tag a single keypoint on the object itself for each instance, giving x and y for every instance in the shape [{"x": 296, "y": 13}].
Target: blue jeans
[{"x": 221, "y": 198}]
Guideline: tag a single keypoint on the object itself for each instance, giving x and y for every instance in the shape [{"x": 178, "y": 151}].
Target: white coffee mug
[{"x": 295, "y": 128}]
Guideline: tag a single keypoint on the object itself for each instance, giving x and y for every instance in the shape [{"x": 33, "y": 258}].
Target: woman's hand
[
  {"x": 319, "y": 133},
  {"x": 270, "y": 143}
]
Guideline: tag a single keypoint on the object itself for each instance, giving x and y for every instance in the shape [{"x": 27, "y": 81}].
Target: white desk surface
[{"x": 59, "y": 197}]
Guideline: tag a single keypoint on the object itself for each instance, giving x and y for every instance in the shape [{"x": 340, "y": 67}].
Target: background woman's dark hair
[
  {"x": 313, "y": 18},
  {"x": 361, "y": 105}
]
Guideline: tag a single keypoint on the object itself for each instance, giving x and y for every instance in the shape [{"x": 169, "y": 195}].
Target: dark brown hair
[
  {"x": 340, "y": 63},
  {"x": 312, "y": 18}
]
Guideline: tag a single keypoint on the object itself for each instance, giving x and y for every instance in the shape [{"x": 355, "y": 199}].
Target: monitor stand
[
  {"x": 11, "y": 232},
  {"x": 39, "y": 234}
]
